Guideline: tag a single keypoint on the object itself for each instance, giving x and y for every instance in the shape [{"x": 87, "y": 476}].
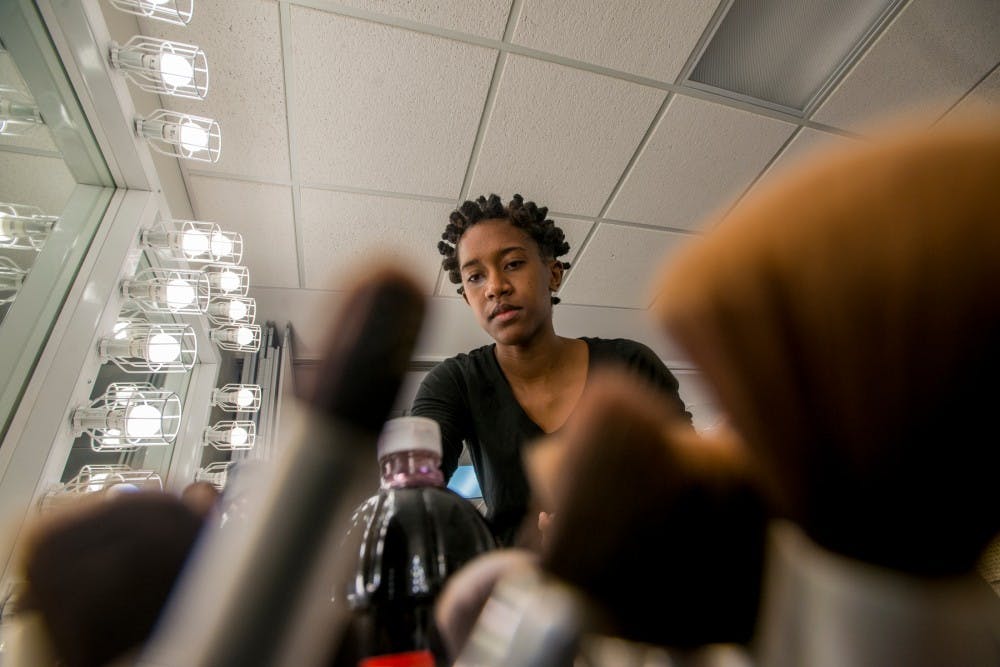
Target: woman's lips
[{"x": 505, "y": 314}]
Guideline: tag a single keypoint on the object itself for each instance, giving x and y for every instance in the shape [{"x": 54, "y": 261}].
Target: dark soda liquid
[{"x": 414, "y": 539}]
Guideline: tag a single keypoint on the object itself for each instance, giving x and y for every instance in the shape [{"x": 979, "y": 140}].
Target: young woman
[{"x": 526, "y": 384}]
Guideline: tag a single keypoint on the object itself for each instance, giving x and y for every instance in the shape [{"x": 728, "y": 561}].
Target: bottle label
[{"x": 408, "y": 659}]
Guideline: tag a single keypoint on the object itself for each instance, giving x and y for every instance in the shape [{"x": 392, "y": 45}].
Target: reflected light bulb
[
  {"x": 237, "y": 310},
  {"x": 244, "y": 397},
  {"x": 179, "y": 293},
  {"x": 229, "y": 281},
  {"x": 120, "y": 330},
  {"x": 193, "y": 138},
  {"x": 97, "y": 481},
  {"x": 175, "y": 70},
  {"x": 194, "y": 243},
  {"x": 238, "y": 436},
  {"x": 221, "y": 245},
  {"x": 142, "y": 421},
  {"x": 163, "y": 348},
  {"x": 244, "y": 336}
]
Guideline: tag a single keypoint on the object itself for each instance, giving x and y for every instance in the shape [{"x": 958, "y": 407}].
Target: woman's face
[{"x": 507, "y": 282}]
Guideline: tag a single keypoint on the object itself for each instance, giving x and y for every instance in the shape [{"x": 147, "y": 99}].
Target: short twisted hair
[{"x": 523, "y": 215}]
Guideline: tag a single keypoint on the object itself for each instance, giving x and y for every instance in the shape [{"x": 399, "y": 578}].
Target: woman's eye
[
  {"x": 515, "y": 264},
  {"x": 473, "y": 278}
]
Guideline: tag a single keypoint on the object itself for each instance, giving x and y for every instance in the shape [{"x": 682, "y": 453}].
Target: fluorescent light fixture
[
  {"x": 168, "y": 291},
  {"x": 237, "y": 397},
  {"x": 151, "y": 348},
  {"x": 159, "y": 66},
  {"x": 231, "y": 435},
  {"x": 181, "y": 135},
  {"x": 232, "y": 310},
  {"x": 11, "y": 278},
  {"x": 194, "y": 242},
  {"x": 178, "y": 12},
  {"x": 230, "y": 280},
  {"x": 24, "y": 227},
  {"x": 129, "y": 415},
  {"x": 237, "y": 337}
]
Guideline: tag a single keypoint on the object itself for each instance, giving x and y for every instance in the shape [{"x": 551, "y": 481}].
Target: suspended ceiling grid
[{"x": 353, "y": 128}]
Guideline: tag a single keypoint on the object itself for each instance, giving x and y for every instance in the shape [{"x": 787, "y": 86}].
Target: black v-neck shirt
[{"x": 469, "y": 396}]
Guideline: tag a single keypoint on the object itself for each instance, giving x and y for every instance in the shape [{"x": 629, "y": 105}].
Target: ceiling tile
[
  {"x": 701, "y": 155},
  {"x": 930, "y": 56},
  {"x": 262, "y": 214},
  {"x": 984, "y": 98},
  {"x": 561, "y": 136},
  {"x": 650, "y": 38},
  {"x": 807, "y": 143},
  {"x": 616, "y": 267},
  {"x": 246, "y": 94},
  {"x": 486, "y": 18},
  {"x": 575, "y": 231},
  {"x": 343, "y": 231},
  {"x": 382, "y": 108}
]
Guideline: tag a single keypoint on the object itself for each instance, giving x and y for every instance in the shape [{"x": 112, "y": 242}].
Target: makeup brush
[
  {"x": 261, "y": 595},
  {"x": 656, "y": 537},
  {"x": 660, "y": 528}
]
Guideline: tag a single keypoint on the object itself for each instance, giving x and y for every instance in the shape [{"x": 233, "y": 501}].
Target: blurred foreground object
[
  {"x": 98, "y": 575},
  {"x": 258, "y": 593},
  {"x": 656, "y": 538},
  {"x": 414, "y": 534},
  {"x": 849, "y": 320}
]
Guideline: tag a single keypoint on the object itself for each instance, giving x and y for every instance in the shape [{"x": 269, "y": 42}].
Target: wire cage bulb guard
[
  {"x": 11, "y": 278},
  {"x": 159, "y": 66},
  {"x": 228, "y": 279},
  {"x": 181, "y": 135},
  {"x": 18, "y": 112},
  {"x": 216, "y": 474},
  {"x": 237, "y": 337},
  {"x": 232, "y": 310},
  {"x": 237, "y": 397},
  {"x": 129, "y": 415},
  {"x": 178, "y": 12},
  {"x": 194, "y": 242},
  {"x": 151, "y": 348},
  {"x": 24, "y": 227},
  {"x": 168, "y": 291},
  {"x": 231, "y": 435},
  {"x": 93, "y": 479}
]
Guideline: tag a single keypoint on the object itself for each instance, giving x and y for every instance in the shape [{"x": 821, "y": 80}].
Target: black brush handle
[{"x": 238, "y": 601}]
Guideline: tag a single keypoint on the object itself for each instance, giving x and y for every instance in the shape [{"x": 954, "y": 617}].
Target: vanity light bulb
[
  {"x": 229, "y": 281},
  {"x": 193, "y": 138},
  {"x": 237, "y": 310},
  {"x": 221, "y": 245},
  {"x": 244, "y": 398},
  {"x": 238, "y": 436},
  {"x": 179, "y": 294},
  {"x": 175, "y": 70},
  {"x": 244, "y": 336},
  {"x": 194, "y": 243},
  {"x": 163, "y": 348},
  {"x": 142, "y": 421}
]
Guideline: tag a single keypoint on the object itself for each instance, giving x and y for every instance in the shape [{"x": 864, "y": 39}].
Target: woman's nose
[{"x": 497, "y": 285}]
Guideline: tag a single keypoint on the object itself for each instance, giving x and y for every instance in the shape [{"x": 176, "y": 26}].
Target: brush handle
[{"x": 248, "y": 593}]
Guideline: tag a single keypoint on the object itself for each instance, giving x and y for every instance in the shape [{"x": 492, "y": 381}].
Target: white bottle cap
[{"x": 404, "y": 434}]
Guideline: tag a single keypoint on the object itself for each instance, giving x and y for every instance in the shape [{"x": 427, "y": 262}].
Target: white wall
[{"x": 450, "y": 328}]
